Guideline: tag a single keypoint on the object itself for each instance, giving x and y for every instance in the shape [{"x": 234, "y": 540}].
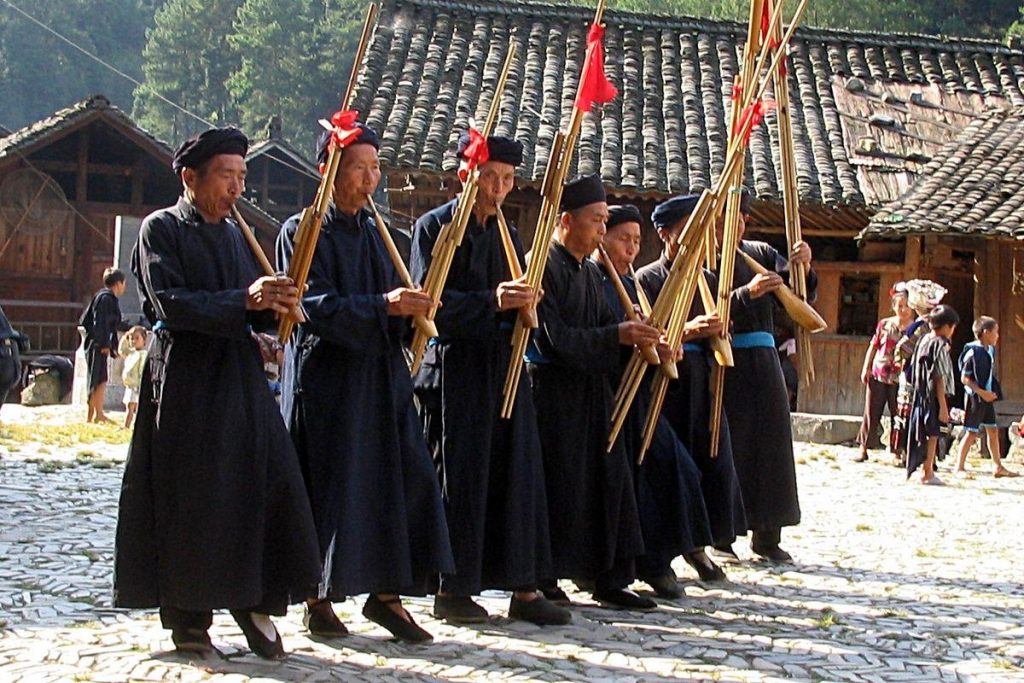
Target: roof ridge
[{"x": 656, "y": 20}]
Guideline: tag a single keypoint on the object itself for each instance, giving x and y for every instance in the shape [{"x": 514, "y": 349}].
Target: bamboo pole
[
  {"x": 451, "y": 236},
  {"x": 791, "y": 203},
  {"x": 559, "y": 163},
  {"x": 307, "y": 233},
  {"x": 649, "y": 352}
]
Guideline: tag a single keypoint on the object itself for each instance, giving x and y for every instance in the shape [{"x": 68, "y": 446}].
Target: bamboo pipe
[
  {"x": 719, "y": 344},
  {"x": 426, "y": 326},
  {"x": 528, "y": 314},
  {"x": 802, "y": 313},
  {"x": 641, "y": 295},
  {"x": 254, "y": 245},
  {"x": 648, "y": 350}
]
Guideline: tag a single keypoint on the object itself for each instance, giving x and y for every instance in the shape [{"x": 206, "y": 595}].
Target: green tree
[
  {"x": 40, "y": 73},
  {"x": 187, "y": 60},
  {"x": 287, "y": 66}
]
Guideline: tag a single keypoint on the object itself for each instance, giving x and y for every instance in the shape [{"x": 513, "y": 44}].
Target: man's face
[
  {"x": 622, "y": 244},
  {"x": 358, "y": 175},
  {"x": 495, "y": 182},
  {"x": 720, "y": 227},
  {"x": 217, "y": 185},
  {"x": 585, "y": 227}
]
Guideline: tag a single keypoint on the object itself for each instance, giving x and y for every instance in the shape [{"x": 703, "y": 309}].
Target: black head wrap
[
  {"x": 499, "y": 148},
  {"x": 368, "y": 136},
  {"x": 583, "y": 191},
  {"x": 623, "y": 213},
  {"x": 204, "y": 146},
  {"x": 673, "y": 210}
]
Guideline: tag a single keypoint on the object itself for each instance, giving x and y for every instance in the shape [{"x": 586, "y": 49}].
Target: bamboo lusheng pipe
[
  {"x": 719, "y": 345},
  {"x": 791, "y": 203},
  {"x": 734, "y": 180},
  {"x": 254, "y": 245},
  {"x": 559, "y": 163},
  {"x": 420, "y": 321},
  {"x": 641, "y": 295},
  {"x": 676, "y": 293},
  {"x": 649, "y": 352},
  {"x": 307, "y": 233},
  {"x": 451, "y": 236},
  {"x": 802, "y": 313},
  {"x": 528, "y": 314}
]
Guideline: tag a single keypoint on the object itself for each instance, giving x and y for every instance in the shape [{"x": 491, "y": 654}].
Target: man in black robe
[
  {"x": 348, "y": 401},
  {"x": 100, "y": 320},
  {"x": 673, "y": 516},
  {"x": 491, "y": 471},
  {"x": 595, "y": 527},
  {"x": 756, "y": 399},
  {"x": 688, "y": 400},
  {"x": 213, "y": 512}
]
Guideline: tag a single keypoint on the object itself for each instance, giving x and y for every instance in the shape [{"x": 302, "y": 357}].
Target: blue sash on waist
[
  {"x": 753, "y": 340},
  {"x": 691, "y": 347}
]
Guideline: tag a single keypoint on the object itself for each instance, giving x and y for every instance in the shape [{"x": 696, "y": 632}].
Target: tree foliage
[{"x": 243, "y": 61}]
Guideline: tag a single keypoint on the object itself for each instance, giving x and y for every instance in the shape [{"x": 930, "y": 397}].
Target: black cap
[
  {"x": 623, "y": 213},
  {"x": 585, "y": 190},
  {"x": 197, "y": 149},
  {"x": 368, "y": 136},
  {"x": 499, "y": 148},
  {"x": 673, "y": 210}
]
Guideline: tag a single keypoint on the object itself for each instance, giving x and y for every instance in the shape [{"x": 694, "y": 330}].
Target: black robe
[
  {"x": 688, "y": 410},
  {"x": 100, "y": 321},
  {"x": 348, "y": 402},
  {"x": 491, "y": 471},
  {"x": 213, "y": 512},
  {"x": 673, "y": 516},
  {"x": 595, "y": 526},
  {"x": 757, "y": 401}
]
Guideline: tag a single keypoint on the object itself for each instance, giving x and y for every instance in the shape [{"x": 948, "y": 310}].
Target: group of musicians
[{"x": 383, "y": 483}]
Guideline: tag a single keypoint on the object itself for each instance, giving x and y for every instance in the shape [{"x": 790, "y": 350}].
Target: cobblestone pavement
[{"x": 893, "y": 582}]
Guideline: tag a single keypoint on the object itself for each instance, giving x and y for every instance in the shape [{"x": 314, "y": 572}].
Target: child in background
[
  {"x": 932, "y": 382},
  {"x": 133, "y": 349},
  {"x": 978, "y": 374}
]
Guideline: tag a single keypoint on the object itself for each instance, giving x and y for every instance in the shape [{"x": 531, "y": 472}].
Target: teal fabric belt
[
  {"x": 753, "y": 340},
  {"x": 690, "y": 347}
]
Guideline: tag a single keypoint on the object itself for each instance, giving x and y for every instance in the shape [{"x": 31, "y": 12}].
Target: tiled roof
[
  {"x": 97, "y": 105},
  {"x": 284, "y": 154},
  {"x": 432, "y": 63},
  {"x": 975, "y": 186}
]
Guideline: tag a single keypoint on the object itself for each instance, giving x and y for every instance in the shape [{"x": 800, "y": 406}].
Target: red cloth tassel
[
  {"x": 476, "y": 153},
  {"x": 595, "y": 88},
  {"x": 345, "y": 132},
  {"x": 752, "y": 117}
]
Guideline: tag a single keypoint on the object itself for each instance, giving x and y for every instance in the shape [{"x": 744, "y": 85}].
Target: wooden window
[{"x": 858, "y": 304}]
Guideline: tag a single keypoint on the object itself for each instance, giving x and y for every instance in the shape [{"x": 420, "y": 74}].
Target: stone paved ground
[{"x": 894, "y": 582}]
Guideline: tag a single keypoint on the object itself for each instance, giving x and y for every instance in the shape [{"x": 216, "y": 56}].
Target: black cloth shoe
[
  {"x": 191, "y": 640},
  {"x": 706, "y": 569},
  {"x": 259, "y": 643},
  {"x": 665, "y": 586},
  {"x": 724, "y": 553},
  {"x": 556, "y": 595},
  {"x": 585, "y": 585},
  {"x": 378, "y": 611},
  {"x": 458, "y": 609},
  {"x": 623, "y": 599},
  {"x": 540, "y": 611},
  {"x": 321, "y": 620},
  {"x": 771, "y": 553}
]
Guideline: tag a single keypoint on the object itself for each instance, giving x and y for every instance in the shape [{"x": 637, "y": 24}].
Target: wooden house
[
  {"x": 280, "y": 180},
  {"x": 962, "y": 224},
  {"x": 63, "y": 182},
  {"x": 870, "y": 112}
]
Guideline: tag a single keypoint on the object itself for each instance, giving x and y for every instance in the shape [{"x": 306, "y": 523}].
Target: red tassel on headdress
[
  {"x": 476, "y": 153},
  {"x": 345, "y": 131},
  {"x": 595, "y": 88}
]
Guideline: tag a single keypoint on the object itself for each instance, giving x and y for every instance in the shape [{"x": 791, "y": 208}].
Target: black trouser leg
[
  {"x": 175, "y": 618},
  {"x": 618, "y": 577},
  {"x": 766, "y": 538}
]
